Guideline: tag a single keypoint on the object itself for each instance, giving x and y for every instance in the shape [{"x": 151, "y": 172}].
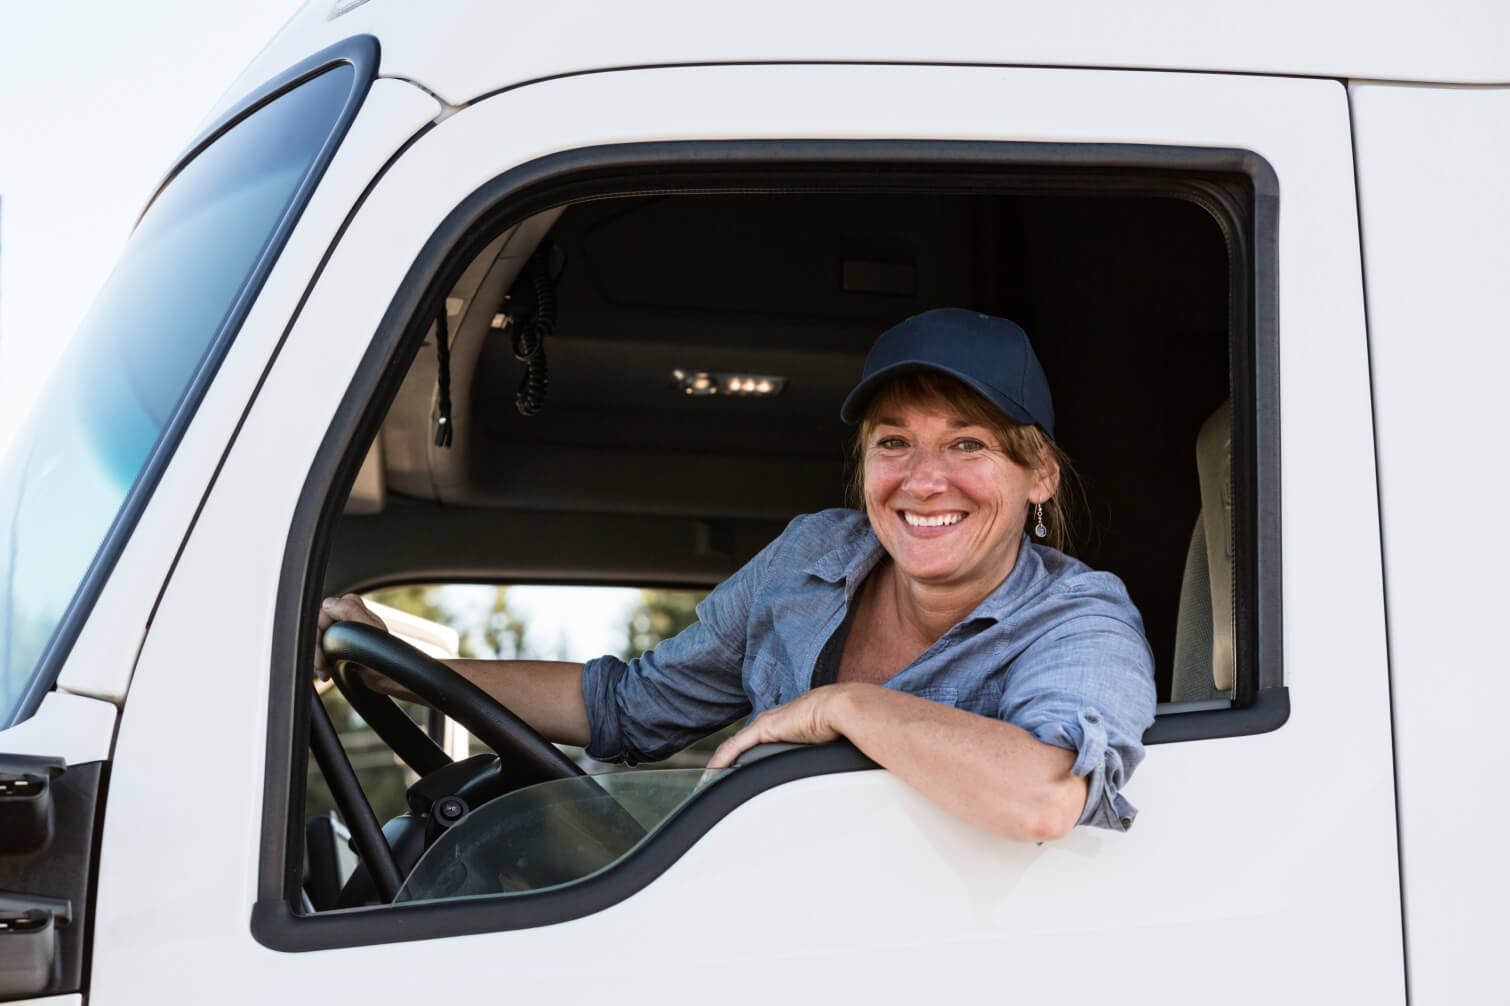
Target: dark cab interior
[{"x": 624, "y": 476}]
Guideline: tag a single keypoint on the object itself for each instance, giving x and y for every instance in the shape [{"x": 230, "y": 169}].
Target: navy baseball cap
[{"x": 990, "y": 355}]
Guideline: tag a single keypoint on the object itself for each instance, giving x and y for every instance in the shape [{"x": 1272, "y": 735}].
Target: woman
[{"x": 1007, "y": 682}]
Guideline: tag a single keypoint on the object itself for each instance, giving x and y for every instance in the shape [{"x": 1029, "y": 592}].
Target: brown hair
[{"x": 1026, "y": 445}]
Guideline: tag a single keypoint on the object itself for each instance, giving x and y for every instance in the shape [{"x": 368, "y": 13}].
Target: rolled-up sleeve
[
  {"x": 687, "y": 687},
  {"x": 1087, "y": 685},
  {"x": 662, "y": 700}
]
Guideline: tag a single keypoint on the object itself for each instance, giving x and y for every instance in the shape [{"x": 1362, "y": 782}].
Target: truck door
[{"x": 1263, "y": 866}]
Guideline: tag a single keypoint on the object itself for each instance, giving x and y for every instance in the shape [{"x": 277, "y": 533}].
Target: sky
[
  {"x": 560, "y": 623},
  {"x": 97, "y": 100}
]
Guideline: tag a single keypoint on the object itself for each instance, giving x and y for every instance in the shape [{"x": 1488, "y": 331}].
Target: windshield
[
  {"x": 78, "y": 472},
  {"x": 550, "y": 834}
]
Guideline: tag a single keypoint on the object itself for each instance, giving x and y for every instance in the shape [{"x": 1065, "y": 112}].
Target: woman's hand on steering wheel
[{"x": 345, "y": 608}]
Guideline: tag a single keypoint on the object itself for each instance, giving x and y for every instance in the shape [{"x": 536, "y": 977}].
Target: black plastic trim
[
  {"x": 66, "y": 868},
  {"x": 360, "y": 52},
  {"x": 1268, "y": 711},
  {"x": 276, "y": 926},
  {"x": 754, "y": 166},
  {"x": 1256, "y": 531}
]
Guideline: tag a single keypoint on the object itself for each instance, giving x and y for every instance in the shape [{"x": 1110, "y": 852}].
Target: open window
[
  {"x": 703, "y": 308},
  {"x": 499, "y": 845}
]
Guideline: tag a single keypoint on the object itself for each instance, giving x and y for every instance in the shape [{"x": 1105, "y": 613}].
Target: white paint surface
[
  {"x": 465, "y": 48},
  {"x": 1431, "y": 174},
  {"x": 1280, "y": 847},
  {"x": 71, "y": 727}
]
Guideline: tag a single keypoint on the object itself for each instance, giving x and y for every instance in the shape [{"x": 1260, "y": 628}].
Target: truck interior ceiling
[{"x": 696, "y": 347}]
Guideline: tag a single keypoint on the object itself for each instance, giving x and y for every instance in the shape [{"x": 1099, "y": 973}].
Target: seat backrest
[{"x": 1203, "y": 651}]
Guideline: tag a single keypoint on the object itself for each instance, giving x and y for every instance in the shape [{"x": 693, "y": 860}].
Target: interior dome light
[{"x": 703, "y": 383}]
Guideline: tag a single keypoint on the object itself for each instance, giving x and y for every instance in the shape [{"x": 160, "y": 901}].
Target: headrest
[{"x": 1213, "y": 462}]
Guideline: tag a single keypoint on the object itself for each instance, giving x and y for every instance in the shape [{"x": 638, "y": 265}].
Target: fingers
[
  {"x": 348, "y": 608},
  {"x": 804, "y": 720},
  {"x": 744, "y": 739},
  {"x": 345, "y": 608}
]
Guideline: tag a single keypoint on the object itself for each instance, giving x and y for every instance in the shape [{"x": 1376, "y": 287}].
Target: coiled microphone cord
[{"x": 531, "y": 332}]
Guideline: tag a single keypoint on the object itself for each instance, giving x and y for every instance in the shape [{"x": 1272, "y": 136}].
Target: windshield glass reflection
[{"x": 74, "y": 474}]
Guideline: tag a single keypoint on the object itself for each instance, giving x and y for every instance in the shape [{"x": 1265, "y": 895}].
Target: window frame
[{"x": 1216, "y": 178}]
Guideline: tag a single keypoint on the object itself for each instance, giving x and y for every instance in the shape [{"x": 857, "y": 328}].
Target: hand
[
  {"x": 810, "y": 718},
  {"x": 346, "y": 608}
]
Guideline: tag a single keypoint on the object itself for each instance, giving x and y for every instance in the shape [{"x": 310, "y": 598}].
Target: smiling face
[{"x": 943, "y": 495}]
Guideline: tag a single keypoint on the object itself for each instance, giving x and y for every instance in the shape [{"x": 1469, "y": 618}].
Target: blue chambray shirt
[{"x": 1058, "y": 649}]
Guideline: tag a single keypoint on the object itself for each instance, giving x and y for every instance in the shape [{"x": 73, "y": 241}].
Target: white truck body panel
[
  {"x": 71, "y": 727},
  {"x": 1288, "y": 853},
  {"x": 1435, "y": 216},
  {"x": 462, "y": 49}
]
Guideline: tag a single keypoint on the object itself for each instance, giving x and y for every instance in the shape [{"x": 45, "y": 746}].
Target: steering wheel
[
  {"x": 488, "y": 719},
  {"x": 345, "y": 643}
]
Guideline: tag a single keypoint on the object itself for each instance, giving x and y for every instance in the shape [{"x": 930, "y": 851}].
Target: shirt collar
[
  {"x": 854, "y": 556},
  {"x": 1028, "y": 570},
  {"x": 850, "y": 559}
]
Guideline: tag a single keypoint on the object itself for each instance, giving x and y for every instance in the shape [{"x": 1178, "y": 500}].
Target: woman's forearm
[
  {"x": 987, "y": 772},
  {"x": 546, "y": 694}
]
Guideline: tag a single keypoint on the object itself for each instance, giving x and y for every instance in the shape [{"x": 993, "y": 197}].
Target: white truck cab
[{"x": 437, "y": 296}]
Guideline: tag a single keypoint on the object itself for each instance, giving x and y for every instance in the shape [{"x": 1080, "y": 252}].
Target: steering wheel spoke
[
  {"x": 366, "y": 832},
  {"x": 413, "y": 745}
]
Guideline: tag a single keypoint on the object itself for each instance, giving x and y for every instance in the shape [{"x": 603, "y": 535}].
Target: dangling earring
[{"x": 1039, "y": 528}]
